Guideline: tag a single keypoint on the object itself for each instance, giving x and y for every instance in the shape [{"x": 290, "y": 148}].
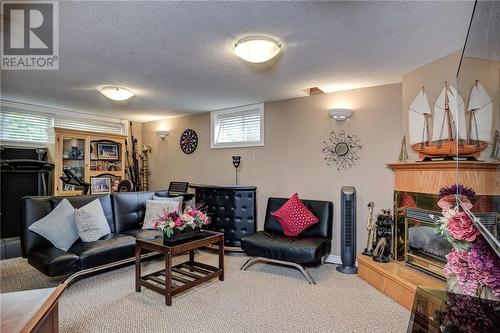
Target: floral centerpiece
[
  {"x": 171, "y": 223},
  {"x": 472, "y": 266}
]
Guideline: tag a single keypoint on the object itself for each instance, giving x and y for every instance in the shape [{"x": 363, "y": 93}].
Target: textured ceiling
[
  {"x": 484, "y": 36},
  {"x": 178, "y": 59}
]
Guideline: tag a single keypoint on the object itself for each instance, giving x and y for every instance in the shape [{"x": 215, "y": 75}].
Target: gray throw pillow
[
  {"x": 91, "y": 222},
  {"x": 171, "y": 199},
  {"x": 156, "y": 208},
  {"x": 58, "y": 227}
]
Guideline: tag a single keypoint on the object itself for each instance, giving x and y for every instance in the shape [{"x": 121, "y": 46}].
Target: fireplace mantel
[{"x": 429, "y": 177}]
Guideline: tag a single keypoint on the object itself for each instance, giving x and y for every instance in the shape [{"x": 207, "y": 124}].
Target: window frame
[{"x": 240, "y": 144}]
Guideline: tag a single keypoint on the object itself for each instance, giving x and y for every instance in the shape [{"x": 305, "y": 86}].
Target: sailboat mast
[
  {"x": 447, "y": 112},
  {"x": 472, "y": 119},
  {"x": 426, "y": 119}
]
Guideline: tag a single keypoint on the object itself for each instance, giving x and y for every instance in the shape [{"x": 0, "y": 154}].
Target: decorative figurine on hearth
[
  {"x": 384, "y": 225},
  {"x": 370, "y": 227}
]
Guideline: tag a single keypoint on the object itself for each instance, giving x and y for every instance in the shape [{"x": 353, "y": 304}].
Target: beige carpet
[{"x": 266, "y": 298}]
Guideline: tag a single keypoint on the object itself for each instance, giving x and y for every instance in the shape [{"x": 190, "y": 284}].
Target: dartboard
[{"x": 189, "y": 141}]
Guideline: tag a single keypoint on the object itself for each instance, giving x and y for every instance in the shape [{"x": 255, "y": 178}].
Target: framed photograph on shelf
[
  {"x": 113, "y": 180},
  {"x": 100, "y": 185},
  {"x": 107, "y": 151}
]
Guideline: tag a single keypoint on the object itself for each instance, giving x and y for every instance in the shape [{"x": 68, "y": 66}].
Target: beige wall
[{"x": 291, "y": 160}]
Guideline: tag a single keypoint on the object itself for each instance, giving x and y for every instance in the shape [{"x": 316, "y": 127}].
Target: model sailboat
[{"x": 450, "y": 137}]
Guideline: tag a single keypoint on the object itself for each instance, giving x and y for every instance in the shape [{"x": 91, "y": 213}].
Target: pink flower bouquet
[
  {"x": 173, "y": 222},
  {"x": 475, "y": 269}
]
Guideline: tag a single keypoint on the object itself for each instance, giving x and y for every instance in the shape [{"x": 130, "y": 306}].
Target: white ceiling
[{"x": 177, "y": 57}]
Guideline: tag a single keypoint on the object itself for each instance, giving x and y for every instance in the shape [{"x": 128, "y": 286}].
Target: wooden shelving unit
[{"x": 73, "y": 150}]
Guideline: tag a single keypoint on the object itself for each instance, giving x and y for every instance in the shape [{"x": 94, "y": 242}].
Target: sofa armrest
[{"x": 52, "y": 261}]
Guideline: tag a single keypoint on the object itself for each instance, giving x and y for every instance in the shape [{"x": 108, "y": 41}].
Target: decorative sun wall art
[{"x": 341, "y": 150}]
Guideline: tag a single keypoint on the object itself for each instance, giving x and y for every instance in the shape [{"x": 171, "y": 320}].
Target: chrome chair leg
[
  {"x": 301, "y": 268},
  {"x": 306, "y": 273},
  {"x": 248, "y": 263}
]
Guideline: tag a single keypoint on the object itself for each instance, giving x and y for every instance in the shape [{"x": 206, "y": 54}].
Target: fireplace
[{"x": 424, "y": 248}]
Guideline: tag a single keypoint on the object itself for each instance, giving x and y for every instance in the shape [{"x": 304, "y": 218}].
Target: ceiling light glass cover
[
  {"x": 116, "y": 93},
  {"x": 257, "y": 49}
]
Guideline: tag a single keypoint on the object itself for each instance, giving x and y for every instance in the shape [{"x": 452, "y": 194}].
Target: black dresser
[{"x": 232, "y": 209}]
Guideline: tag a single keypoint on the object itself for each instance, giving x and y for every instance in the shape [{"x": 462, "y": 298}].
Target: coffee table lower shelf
[
  {"x": 184, "y": 276},
  {"x": 174, "y": 279}
]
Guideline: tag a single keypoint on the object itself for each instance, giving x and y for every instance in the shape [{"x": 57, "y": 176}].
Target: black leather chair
[{"x": 311, "y": 247}]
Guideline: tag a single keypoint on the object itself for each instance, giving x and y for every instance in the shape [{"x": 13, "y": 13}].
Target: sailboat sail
[
  {"x": 416, "y": 113},
  {"x": 457, "y": 115},
  {"x": 481, "y": 113}
]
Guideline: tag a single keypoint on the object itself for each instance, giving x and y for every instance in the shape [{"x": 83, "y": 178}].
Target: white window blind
[
  {"x": 20, "y": 126},
  {"x": 28, "y": 125},
  {"x": 89, "y": 125},
  {"x": 238, "y": 127}
]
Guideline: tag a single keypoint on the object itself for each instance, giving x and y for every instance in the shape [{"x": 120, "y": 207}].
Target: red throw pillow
[{"x": 294, "y": 217}]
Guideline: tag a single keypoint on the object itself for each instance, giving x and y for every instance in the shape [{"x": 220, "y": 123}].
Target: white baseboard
[{"x": 332, "y": 259}]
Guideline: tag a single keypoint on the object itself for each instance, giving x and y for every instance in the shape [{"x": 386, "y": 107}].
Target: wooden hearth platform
[{"x": 396, "y": 280}]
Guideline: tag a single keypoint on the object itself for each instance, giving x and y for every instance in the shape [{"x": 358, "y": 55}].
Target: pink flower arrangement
[
  {"x": 474, "y": 269},
  {"x": 171, "y": 222},
  {"x": 472, "y": 262},
  {"x": 450, "y": 201},
  {"x": 461, "y": 227}
]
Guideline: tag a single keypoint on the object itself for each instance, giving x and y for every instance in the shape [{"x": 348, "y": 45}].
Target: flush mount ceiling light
[
  {"x": 340, "y": 114},
  {"x": 116, "y": 93},
  {"x": 256, "y": 49}
]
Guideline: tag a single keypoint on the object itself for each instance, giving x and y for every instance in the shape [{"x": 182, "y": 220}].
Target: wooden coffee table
[{"x": 175, "y": 279}]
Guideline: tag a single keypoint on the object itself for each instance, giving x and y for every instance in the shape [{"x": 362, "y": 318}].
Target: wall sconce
[
  {"x": 340, "y": 114},
  {"x": 162, "y": 134}
]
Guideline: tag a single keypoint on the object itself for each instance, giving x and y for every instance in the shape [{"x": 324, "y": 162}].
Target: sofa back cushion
[
  {"x": 82, "y": 200},
  {"x": 129, "y": 208},
  {"x": 33, "y": 209},
  {"x": 58, "y": 226},
  {"x": 323, "y": 210}
]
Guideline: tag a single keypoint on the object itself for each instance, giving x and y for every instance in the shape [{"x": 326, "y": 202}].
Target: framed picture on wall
[
  {"x": 107, "y": 151},
  {"x": 100, "y": 185}
]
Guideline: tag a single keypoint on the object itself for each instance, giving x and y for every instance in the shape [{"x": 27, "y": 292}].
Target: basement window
[
  {"x": 23, "y": 124},
  {"x": 32, "y": 128},
  {"x": 237, "y": 127}
]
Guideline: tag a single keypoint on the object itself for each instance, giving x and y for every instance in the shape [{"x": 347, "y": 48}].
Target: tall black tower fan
[{"x": 348, "y": 230}]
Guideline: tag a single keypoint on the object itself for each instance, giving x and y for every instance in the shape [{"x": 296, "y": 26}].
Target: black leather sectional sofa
[{"x": 124, "y": 213}]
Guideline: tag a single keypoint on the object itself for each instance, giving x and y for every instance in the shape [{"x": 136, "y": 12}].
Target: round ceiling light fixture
[
  {"x": 116, "y": 93},
  {"x": 257, "y": 49}
]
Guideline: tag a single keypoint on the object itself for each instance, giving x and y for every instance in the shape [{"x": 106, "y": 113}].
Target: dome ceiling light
[
  {"x": 116, "y": 93},
  {"x": 257, "y": 49}
]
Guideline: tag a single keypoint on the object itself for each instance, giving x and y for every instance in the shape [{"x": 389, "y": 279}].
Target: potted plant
[{"x": 179, "y": 227}]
